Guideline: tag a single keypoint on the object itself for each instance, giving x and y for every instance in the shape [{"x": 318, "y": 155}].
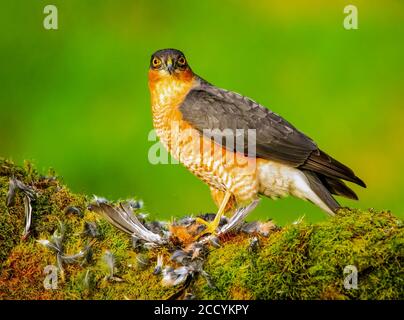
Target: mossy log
[{"x": 298, "y": 261}]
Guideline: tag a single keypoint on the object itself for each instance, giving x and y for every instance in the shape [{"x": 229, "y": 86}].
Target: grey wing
[{"x": 224, "y": 114}]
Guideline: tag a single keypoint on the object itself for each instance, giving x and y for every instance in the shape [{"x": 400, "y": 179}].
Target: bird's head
[{"x": 169, "y": 63}]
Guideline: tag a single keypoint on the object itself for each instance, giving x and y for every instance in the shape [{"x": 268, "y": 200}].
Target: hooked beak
[{"x": 170, "y": 66}]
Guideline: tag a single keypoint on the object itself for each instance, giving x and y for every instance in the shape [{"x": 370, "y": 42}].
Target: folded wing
[{"x": 214, "y": 110}]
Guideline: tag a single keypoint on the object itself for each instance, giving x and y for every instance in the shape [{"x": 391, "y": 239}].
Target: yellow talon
[
  {"x": 201, "y": 221},
  {"x": 211, "y": 227}
]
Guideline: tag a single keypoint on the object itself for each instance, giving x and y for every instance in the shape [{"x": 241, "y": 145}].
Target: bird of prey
[{"x": 195, "y": 121}]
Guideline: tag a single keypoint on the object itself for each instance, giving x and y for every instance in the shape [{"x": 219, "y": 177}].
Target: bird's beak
[{"x": 170, "y": 66}]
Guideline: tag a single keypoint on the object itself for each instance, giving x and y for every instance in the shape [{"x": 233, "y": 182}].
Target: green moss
[{"x": 301, "y": 261}]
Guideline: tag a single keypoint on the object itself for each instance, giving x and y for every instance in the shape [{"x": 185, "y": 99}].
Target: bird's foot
[{"x": 211, "y": 226}]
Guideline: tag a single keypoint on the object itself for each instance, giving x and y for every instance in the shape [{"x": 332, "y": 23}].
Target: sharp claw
[
  {"x": 211, "y": 227},
  {"x": 201, "y": 221}
]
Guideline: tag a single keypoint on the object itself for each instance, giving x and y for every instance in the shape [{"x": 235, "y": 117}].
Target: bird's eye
[
  {"x": 182, "y": 62},
  {"x": 156, "y": 62}
]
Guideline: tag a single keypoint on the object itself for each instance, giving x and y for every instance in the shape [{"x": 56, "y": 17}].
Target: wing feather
[{"x": 210, "y": 108}]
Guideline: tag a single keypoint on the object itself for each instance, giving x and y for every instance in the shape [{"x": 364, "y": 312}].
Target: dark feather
[
  {"x": 224, "y": 112},
  {"x": 321, "y": 191},
  {"x": 123, "y": 218},
  {"x": 322, "y": 163},
  {"x": 338, "y": 187}
]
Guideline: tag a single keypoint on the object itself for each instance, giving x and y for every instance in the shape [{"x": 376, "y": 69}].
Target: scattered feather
[
  {"x": 28, "y": 196},
  {"x": 73, "y": 211},
  {"x": 208, "y": 279},
  {"x": 142, "y": 261},
  {"x": 173, "y": 277},
  {"x": 254, "y": 244},
  {"x": 78, "y": 257},
  {"x": 123, "y": 218},
  {"x": 109, "y": 260},
  {"x": 159, "y": 265},
  {"x": 266, "y": 227},
  {"x": 189, "y": 296},
  {"x": 12, "y": 188},
  {"x": 88, "y": 280},
  {"x": 186, "y": 221},
  {"x": 157, "y": 227},
  {"x": 238, "y": 218},
  {"x": 135, "y": 204},
  {"x": 214, "y": 241},
  {"x": 136, "y": 243},
  {"x": 179, "y": 256},
  {"x": 91, "y": 229},
  {"x": 250, "y": 227},
  {"x": 28, "y": 215},
  {"x": 257, "y": 227},
  {"x": 56, "y": 244}
]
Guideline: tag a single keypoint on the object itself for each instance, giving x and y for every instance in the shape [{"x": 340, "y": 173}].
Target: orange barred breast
[{"x": 219, "y": 168}]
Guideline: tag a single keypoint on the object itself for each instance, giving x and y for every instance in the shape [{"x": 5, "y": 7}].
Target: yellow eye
[
  {"x": 182, "y": 62},
  {"x": 156, "y": 62}
]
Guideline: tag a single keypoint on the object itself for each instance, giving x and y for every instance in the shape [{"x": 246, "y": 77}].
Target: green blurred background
[{"x": 76, "y": 99}]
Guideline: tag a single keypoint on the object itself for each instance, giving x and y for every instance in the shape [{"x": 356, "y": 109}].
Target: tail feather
[
  {"x": 322, "y": 163},
  {"x": 338, "y": 187},
  {"x": 322, "y": 192}
]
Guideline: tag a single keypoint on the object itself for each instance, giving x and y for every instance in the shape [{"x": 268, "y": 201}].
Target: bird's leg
[{"x": 212, "y": 226}]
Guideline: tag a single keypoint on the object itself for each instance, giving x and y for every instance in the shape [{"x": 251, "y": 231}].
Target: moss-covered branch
[{"x": 301, "y": 261}]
